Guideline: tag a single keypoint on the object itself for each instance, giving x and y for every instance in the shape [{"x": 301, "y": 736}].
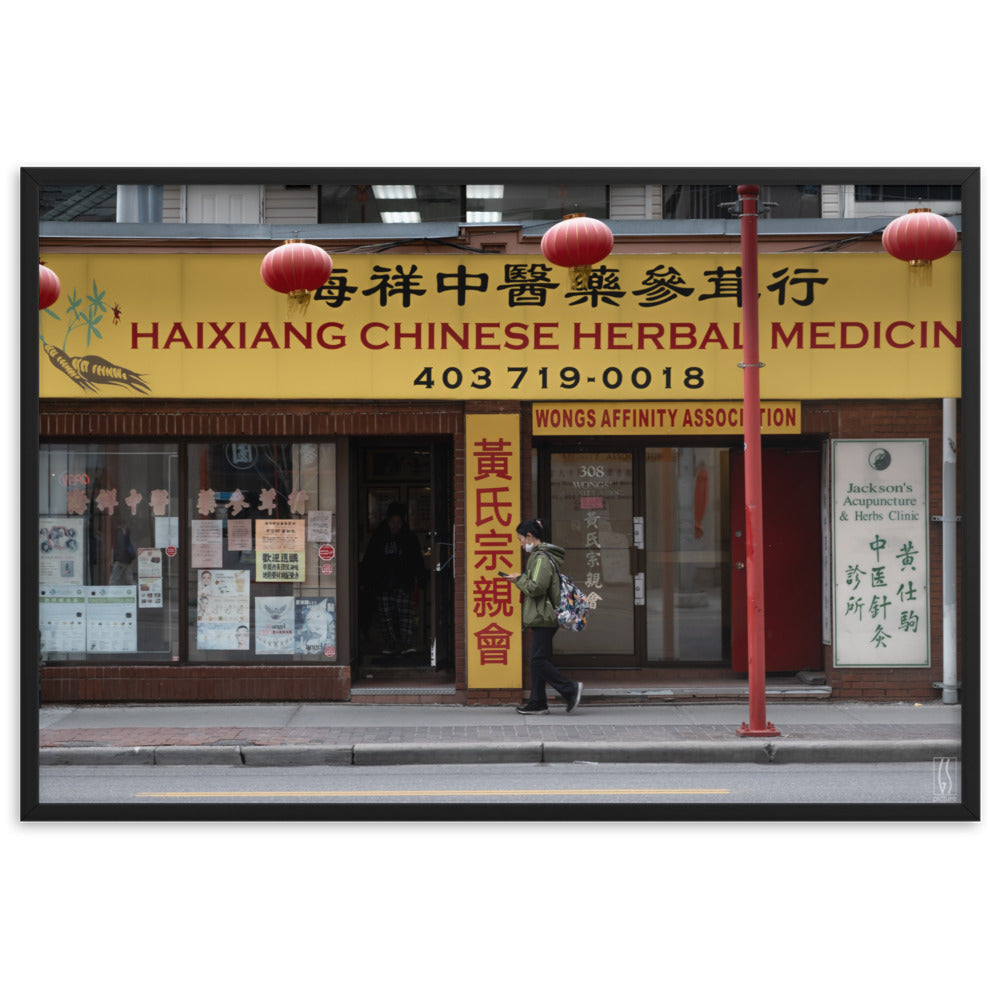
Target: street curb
[
  {"x": 742, "y": 751},
  {"x": 60, "y": 756},
  {"x": 448, "y": 753},
  {"x": 197, "y": 755},
  {"x": 864, "y": 751},
  {"x": 655, "y": 752},
  {"x": 289, "y": 755}
]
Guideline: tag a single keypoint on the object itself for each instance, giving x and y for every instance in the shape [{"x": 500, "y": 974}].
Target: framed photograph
[{"x": 725, "y": 332}]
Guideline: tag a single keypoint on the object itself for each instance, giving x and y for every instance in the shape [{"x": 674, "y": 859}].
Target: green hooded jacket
[{"x": 540, "y": 585}]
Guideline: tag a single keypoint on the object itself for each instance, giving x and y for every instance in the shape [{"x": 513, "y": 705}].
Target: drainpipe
[{"x": 949, "y": 466}]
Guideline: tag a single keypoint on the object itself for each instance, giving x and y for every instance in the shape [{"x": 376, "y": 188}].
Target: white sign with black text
[{"x": 881, "y": 570}]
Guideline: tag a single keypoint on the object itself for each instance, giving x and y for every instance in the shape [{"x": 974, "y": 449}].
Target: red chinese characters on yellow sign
[{"x": 493, "y": 489}]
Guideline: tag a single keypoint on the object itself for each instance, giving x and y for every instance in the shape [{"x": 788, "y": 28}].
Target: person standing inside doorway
[
  {"x": 540, "y": 585},
  {"x": 392, "y": 567}
]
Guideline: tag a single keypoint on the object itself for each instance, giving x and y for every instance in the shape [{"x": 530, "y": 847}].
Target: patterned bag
[{"x": 573, "y": 607}]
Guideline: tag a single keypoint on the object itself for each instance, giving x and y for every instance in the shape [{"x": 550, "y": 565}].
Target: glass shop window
[
  {"x": 687, "y": 554},
  {"x": 108, "y": 555},
  {"x": 261, "y": 552}
]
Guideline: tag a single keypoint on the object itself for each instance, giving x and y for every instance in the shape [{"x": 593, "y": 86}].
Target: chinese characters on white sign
[{"x": 881, "y": 559}]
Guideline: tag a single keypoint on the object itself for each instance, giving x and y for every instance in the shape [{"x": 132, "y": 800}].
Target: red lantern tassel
[
  {"x": 921, "y": 273},
  {"x": 579, "y": 277},
  {"x": 298, "y": 302}
]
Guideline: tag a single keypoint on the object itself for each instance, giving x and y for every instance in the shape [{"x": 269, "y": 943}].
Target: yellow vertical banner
[{"x": 493, "y": 497}]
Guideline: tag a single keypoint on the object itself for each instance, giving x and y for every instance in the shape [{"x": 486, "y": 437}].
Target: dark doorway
[
  {"x": 793, "y": 568},
  {"x": 405, "y": 572}
]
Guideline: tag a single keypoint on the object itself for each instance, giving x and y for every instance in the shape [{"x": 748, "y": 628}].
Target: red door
[{"x": 793, "y": 586}]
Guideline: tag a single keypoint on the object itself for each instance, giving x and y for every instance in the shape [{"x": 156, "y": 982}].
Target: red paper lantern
[
  {"x": 48, "y": 286},
  {"x": 296, "y": 269},
  {"x": 919, "y": 237},
  {"x": 577, "y": 243}
]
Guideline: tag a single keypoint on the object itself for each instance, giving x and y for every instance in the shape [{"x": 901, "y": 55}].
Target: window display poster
[
  {"x": 284, "y": 535},
  {"x": 111, "y": 620},
  {"x": 275, "y": 625},
  {"x": 315, "y": 626},
  {"x": 166, "y": 532},
  {"x": 239, "y": 535},
  {"x": 281, "y": 567},
  {"x": 150, "y": 567},
  {"x": 223, "y": 616},
  {"x": 880, "y": 552},
  {"x": 206, "y": 544},
  {"x": 281, "y": 551},
  {"x": 62, "y": 619},
  {"x": 60, "y": 550},
  {"x": 319, "y": 526}
]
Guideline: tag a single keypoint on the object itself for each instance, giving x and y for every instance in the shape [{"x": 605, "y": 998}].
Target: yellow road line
[{"x": 455, "y": 793}]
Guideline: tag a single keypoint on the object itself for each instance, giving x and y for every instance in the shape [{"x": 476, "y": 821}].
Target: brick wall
[
  {"x": 185, "y": 419},
  {"x": 164, "y": 683}
]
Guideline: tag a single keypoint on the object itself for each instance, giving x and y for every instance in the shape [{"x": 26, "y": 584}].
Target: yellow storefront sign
[
  {"x": 655, "y": 419},
  {"x": 493, "y": 604},
  {"x": 647, "y": 327}
]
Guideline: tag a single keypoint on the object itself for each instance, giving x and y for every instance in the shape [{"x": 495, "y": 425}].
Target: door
[
  {"x": 686, "y": 548},
  {"x": 793, "y": 585},
  {"x": 646, "y": 532},
  {"x": 593, "y": 519},
  {"x": 413, "y": 630}
]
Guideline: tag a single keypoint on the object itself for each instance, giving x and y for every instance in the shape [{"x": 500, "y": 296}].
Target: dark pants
[
  {"x": 542, "y": 670},
  {"x": 396, "y": 614}
]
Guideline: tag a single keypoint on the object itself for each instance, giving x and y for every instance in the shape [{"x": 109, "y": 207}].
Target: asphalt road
[{"x": 578, "y": 783}]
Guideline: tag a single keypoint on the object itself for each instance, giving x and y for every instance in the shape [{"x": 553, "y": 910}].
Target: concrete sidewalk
[{"x": 272, "y": 734}]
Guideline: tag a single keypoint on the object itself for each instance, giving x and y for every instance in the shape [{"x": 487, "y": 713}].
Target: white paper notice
[{"x": 206, "y": 544}]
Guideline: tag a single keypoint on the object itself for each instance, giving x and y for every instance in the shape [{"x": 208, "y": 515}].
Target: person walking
[{"x": 539, "y": 583}]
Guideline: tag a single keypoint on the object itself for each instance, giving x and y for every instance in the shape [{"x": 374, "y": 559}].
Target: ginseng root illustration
[{"x": 91, "y": 370}]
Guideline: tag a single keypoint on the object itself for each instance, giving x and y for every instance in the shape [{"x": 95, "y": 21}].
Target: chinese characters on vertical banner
[
  {"x": 493, "y": 607},
  {"x": 881, "y": 559}
]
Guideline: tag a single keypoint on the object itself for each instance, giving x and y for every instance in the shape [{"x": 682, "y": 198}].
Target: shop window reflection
[
  {"x": 687, "y": 554},
  {"x": 107, "y": 552},
  {"x": 262, "y": 559}
]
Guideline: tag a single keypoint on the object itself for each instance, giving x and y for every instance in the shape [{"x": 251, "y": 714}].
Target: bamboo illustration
[{"x": 90, "y": 371}]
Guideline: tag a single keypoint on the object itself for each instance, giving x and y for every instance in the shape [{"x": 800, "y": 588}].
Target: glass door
[
  {"x": 592, "y": 515},
  {"x": 647, "y": 538},
  {"x": 687, "y": 550}
]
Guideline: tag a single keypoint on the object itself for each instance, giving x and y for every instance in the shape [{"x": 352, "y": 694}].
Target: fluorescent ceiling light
[
  {"x": 484, "y": 216},
  {"x": 394, "y": 191},
  {"x": 492, "y": 191},
  {"x": 400, "y": 216}
]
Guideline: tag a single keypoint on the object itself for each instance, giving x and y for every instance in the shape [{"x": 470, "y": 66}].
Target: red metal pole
[{"x": 758, "y": 725}]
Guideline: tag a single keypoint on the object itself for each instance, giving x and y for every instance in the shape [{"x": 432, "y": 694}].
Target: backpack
[{"x": 572, "y": 609}]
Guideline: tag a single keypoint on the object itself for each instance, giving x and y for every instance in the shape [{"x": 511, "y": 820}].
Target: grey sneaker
[
  {"x": 528, "y": 708},
  {"x": 575, "y": 700}
]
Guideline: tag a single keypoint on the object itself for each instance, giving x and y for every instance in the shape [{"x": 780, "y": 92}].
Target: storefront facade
[{"x": 215, "y": 461}]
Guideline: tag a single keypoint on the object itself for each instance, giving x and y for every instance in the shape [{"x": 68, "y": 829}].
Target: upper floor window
[
  {"x": 101, "y": 203},
  {"x": 470, "y": 203},
  {"x": 83, "y": 203},
  {"x": 908, "y": 192},
  {"x": 717, "y": 201}
]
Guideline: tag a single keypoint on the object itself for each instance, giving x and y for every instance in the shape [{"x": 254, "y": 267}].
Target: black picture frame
[{"x": 33, "y": 178}]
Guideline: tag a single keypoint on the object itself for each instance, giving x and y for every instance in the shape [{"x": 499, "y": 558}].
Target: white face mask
[{"x": 528, "y": 546}]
